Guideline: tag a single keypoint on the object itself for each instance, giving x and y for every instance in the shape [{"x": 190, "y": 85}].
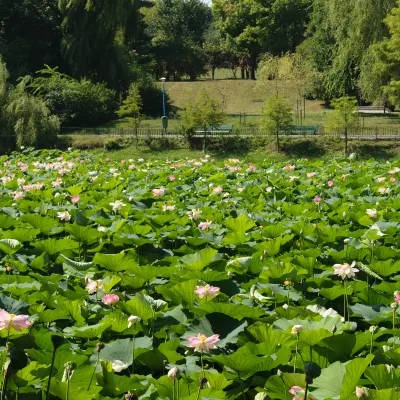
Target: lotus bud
[
  {"x": 373, "y": 329},
  {"x": 68, "y": 371},
  {"x": 288, "y": 282},
  {"x": 132, "y": 320},
  {"x": 346, "y": 241},
  {"x": 9, "y": 268},
  {"x": 174, "y": 373},
  {"x": 394, "y": 306},
  {"x": 296, "y": 329},
  {"x": 285, "y": 306},
  {"x": 279, "y": 372},
  {"x": 361, "y": 393},
  {"x": 99, "y": 347}
]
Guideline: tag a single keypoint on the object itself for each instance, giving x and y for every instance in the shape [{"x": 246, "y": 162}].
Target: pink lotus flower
[
  {"x": 330, "y": 183},
  {"x": 252, "y": 168},
  {"x": 207, "y": 291},
  {"x": 205, "y": 225},
  {"x": 17, "y": 322},
  {"x": 94, "y": 286},
  {"x": 110, "y": 299},
  {"x": 218, "y": 189},
  {"x": 202, "y": 342},
  {"x": 171, "y": 178},
  {"x": 397, "y": 297},
  {"x": 123, "y": 161},
  {"x": 158, "y": 192},
  {"x": 289, "y": 168},
  {"x": 299, "y": 393},
  {"x": 18, "y": 196},
  {"x": 74, "y": 199},
  {"x": 392, "y": 179},
  {"x": 240, "y": 190},
  {"x": 361, "y": 393},
  {"x": 317, "y": 199},
  {"x": 311, "y": 174}
]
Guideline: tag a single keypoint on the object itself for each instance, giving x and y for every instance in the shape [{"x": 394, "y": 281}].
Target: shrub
[
  {"x": 112, "y": 144},
  {"x": 76, "y": 103},
  {"x": 31, "y": 120}
]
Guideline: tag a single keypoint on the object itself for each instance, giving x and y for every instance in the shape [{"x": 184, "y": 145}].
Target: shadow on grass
[
  {"x": 303, "y": 148},
  {"x": 378, "y": 150}
]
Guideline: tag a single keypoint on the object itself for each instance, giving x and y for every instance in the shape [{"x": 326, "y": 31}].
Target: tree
[
  {"x": 339, "y": 37},
  {"x": 344, "y": 118},
  {"x": 278, "y": 117},
  {"x": 30, "y": 35},
  {"x": 177, "y": 29},
  {"x": 95, "y": 39},
  {"x": 254, "y": 27},
  {"x": 215, "y": 49},
  {"x": 204, "y": 114},
  {"x": 131, "y": 108},
  {"x": 382, "y": 79}
]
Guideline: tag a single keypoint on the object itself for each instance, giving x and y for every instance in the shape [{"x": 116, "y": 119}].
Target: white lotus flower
[
  {"x": 64, "y": 215},
  {"x": 118, "y": 366},
  {"x": 345, "y": 270},
  {"x": 132, "y": 320},
  {"x": 371, "y": 212},
  {"x": 117, "y": 205}
]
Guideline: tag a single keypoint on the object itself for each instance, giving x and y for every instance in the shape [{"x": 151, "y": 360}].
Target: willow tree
[{"x": 95, "y": 37}]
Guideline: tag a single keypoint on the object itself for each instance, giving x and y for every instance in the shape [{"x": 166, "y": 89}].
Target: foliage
[
  {"x": 131, "y": 106},
  {"x": 177, "y": 30},
  {"x": 112, "y": 144},
  {"x": 290, "y": 68},
  {"x": 76, "y": 103},
  {"x": 254, "y": 27},
  {"x": 278, "y": 117},
  {"x": 269, "y": 249},
  {"x": 340, "y": 35},
  {"x": 205, "y": 113},
  {"x": 381, "y": 80},
  {"x": 345, "y": 117}
]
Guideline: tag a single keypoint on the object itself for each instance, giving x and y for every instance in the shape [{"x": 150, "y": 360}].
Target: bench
[
  {"x": 217, "y": 129},
  {"x": 301, "y": 130},
  {"x": 371, "y": 109}
]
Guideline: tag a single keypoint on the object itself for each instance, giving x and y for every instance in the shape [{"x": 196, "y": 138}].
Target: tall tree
[
  {"x": 177, "y": 29},
  {"x": 340, "y": 34},
  {"x": 261, "y": 26},
  {"x": 380, "y": 78},
  {"x": 30, "y": 35},
  {"x": 94, "y": 39}
]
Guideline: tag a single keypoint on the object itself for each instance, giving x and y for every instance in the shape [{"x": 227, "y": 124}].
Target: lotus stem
[
  {"x": 297, "y": 350},
  {"x": 97, "y": 363},
  {"x": 133, "y": 360},
  {"x": 51, "y": 373}
]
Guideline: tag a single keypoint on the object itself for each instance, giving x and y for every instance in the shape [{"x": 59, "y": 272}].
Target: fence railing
[{"x": 376, "y": 131}]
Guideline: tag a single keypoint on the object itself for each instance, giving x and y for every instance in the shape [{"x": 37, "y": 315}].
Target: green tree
[
  {"x": 215, "y": 49},
  {"x": 131, "y": 108},
  {"x": 31, "y": 120},
  {"x": 382, "y": 79},
  {"x": 339, "y": 38},
  {"x": 177, "y": 29},
  {"x": 344, "y": 118},
  {"x": 254, "y": 27},
  {"x": 95, "y": 39},
  {"x": 278, "y": 117},
  {"x": 203, "y": 114}
]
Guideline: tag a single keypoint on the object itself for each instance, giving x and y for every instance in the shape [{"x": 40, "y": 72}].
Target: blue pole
[{"x": 163, "y": 96}]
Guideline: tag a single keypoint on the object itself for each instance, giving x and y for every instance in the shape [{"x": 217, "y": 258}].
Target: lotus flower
[
  {"x": 17, "y": 322},
  {"x": 330, "y": 183},
  {"x": 64, "y": 215},
  {"x": 94, "y": 285},
  {"x": 299, "y": 393},
  {"x": 202, "y": 342},
  {"x": 158, "y": 192},
  {"x": 345, "y": 270},
  {"x": 74, "y": 199},
  {"x": 117, "y": 205},
  {"x": 132, "y": 320},
  {"x": 296, "y": 329},
  {"x": 207, "y": 291},
  {"x": 110, "y": 299},
  {"x": 371, "y": 212},
  {"x": 194, "y": 214},
  {"x": 317, "y": 199},
  {"x": 205, "y": 225},
  {"x": 119, "y": 365},
  {"x": 361, "y": 393},
  {"x": 174, "y": 373}
]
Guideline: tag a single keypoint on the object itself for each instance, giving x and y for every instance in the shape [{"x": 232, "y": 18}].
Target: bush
[
  {"x": 76, "y": 103},
  {"x": 112, "y": 144},
  {"x": 31, "y": 120}
]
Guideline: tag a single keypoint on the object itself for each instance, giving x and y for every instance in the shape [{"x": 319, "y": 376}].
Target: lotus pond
[{"x": 198, "y": 279}]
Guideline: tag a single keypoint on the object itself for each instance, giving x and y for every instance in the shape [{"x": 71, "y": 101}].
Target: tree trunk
[
  {"x": 252, "y": 73},
  {"x": 212, "y": 73},
  {"x": 277, "y": 140},
  {"x": 247, "y": 73},
  {"x": 242, "y": 72},
  {"x": 345, "y": 142}
]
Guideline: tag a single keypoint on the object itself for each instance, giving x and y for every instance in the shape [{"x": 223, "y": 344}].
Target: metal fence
[{"x": 143, "y": 133}]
